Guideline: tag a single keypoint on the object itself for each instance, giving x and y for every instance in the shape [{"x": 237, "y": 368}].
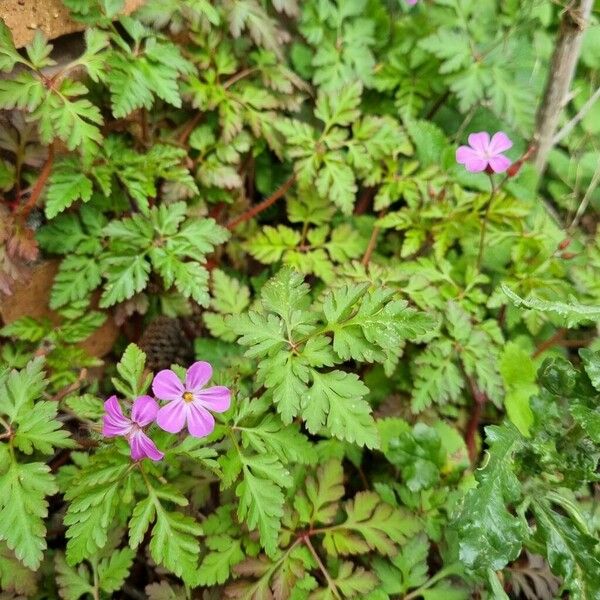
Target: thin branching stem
[
  {"x": 484, "y": 222},
  {"x": 330, "y": 582},
  {"x": 261, "y": 206}
]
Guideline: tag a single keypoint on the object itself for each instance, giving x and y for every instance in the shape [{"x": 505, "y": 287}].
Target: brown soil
[
  {"x": 24, "y": 17},
  {"x": 30, "y": 298}
]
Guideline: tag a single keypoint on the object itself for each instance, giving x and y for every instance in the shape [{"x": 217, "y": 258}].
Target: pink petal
[
  {"x": 411, "y": 2},
  {"x": 114, "y": 422},
  {"x": 471, "y": 159},
  {"x": 479, "y": 141},
  {"x": 500, "y": 142},
  {"x": 197, "y": 375},
  {"x": 499, "y": 163},
  {"x": 144, "y": 410},
  {"x": 167, "y": 386},
  {"x": 199, "y": 421},
  {"x": 171, "y": 417},
  {"x": 216, "y": 398},
  {"x": 142, "y": 446}
]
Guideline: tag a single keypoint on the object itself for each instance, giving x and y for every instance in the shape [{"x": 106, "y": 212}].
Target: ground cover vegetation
[{"x": 354, "y": 309}]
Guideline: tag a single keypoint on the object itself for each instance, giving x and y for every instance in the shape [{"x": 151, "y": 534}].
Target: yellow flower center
[{"x": 188, "y": 396}]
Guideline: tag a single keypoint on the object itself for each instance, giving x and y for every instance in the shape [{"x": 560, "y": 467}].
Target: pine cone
[{"x": 165, "y": 343}]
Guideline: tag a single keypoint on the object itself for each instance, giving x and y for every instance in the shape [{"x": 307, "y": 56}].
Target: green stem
[
  {"x": 484, "y": 223},
  {"x": 452, "y": 569},
  {"x": 95, "y": 591}
]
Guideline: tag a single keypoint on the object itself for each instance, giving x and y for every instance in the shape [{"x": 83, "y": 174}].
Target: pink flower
[
  {"x": 483, "y": 153},
  {"x": 143, "y": 413},
  {"x": 189, "y": 403},
  {"x": 411, "y": 2}
]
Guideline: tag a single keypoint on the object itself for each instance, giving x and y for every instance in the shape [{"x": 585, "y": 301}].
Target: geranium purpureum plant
[{"x": 300, "y": 302}]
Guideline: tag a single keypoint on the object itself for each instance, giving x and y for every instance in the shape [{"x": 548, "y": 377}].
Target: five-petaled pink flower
[
  {"x": 143, "y": 412},
  {"x": 190, "y": 402},
  {"x": 484, "y": 154}
]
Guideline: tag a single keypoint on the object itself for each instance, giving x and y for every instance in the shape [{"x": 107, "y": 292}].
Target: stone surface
[{"x": 24, "y": 17}]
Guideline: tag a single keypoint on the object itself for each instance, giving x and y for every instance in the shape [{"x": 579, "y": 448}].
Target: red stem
[
  {"x": 39, "y": 184},
  {"x": 189, "y": 127},
  {"x": 480, "y": 399},
  {"x": 551, "y": 341},
  {"x": 258, "y": 208}
]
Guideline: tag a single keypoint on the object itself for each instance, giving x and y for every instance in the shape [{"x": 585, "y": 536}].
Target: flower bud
[
  {"x": 514, "y": 168},
  {"x": 564, "y": 244}
]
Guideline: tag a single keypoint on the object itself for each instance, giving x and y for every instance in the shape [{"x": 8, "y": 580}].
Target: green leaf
[
  {"x": 370, "y": 525},
  {"x": 94, "y": 495},
  {"x": 165, "y": 590},
  {"x": 270, "y": 244},
  {"x": 408, "y": 569},
  {"x": 72, "y": 583},
  {"x": 418, "y": 453},
  {"x": 437, "y": 377},
  {"x": 519, "y": 375},
  {"x": 174, "y": 542},
  {"x": 86, "y": 406},
  {"x": 27, "y": 329},
  {"x": 113, "y": 571},
  {"x": 490, "y": 536},
  {"x": 371, "y": 325},
  {"x": 23, "y": 91},
  {"x": 573, "y": 554},
  {"x": 38, "y": 51},
  {"x": 353, "y": 581},
  {"x": 74, "y": 120},
  {"x": 286, "y": 376},
  {"x": 450, "y": 46},
  {"x": 77, "y": 277},
  {"x": 66, "y": 185},
  {"x": 287, "y": 295},
  {"x": 23, "y": 508},
  {"x": 40, "y": 430},
  {"x": 336, "y": 182},
  {"x": 591, "y": 365},
  {"x": 271, "y": 437},
  {"x": 429, "y": 140},
  {"x": 127, "y": 275},
  {"x": 320, "y": 502},
  {"x": 588, "y": 418},
  {"x": 131, "y": 370},
  {"x": 9, "y": 56},
  {"x": 496, "y": 586},
  {"x": 215, "y": 568},
  {"x": 261, "y": 506},
  {"x": 572, "y": 313},
  {"x": 92, "y": 59},
  {"x": 229, "y": 295},
  {"x": 141, "y": 518},
  {"x": 335, "y": 400},
  {"x": 264, "y": 333},
  {"x": 341, "y": 107},
  {"x": 18, "y": 389},
  {"x": 191, "y": 279},
  {"x": 14, "y": 577}
]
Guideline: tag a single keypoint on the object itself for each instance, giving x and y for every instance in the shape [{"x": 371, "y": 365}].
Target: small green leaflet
[
  {"x": 572, "y": 313},
  {"x": 335, "y": 401},
  {"x": 519, "y": 375},
  {"x": 23, "y": 507},
  {"x": 66, "y": 185}
]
